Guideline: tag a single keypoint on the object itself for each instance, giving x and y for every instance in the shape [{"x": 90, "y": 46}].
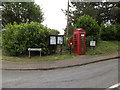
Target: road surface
[{"x": 97, "y": 75}]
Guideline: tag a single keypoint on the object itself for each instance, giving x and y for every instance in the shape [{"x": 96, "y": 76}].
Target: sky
[{"x": 54, "y": 17}]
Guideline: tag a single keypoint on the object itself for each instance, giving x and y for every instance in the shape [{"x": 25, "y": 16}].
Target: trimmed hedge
[{"x": 18, "y": 38}]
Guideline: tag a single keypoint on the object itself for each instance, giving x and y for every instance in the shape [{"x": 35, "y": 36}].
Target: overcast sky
[{"x": 54, "y": 17}]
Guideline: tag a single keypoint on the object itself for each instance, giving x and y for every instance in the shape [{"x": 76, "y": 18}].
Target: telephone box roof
[{"x": 79, "y": 29}]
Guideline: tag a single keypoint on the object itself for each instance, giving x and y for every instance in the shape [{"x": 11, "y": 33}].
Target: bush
[
  {"x": 90, "y": 25},
  {"x": 110, "y": 32},
  {"x": 18, "y": 38}
]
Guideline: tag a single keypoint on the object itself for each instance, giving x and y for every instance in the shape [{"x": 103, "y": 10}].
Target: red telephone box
[{"x": 79, "y": 41}]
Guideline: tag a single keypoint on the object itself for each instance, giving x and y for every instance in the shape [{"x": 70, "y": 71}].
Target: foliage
[
  {"x": 82, "y": 8},
  {"x": 18, "y": 38},
  {"x": 110, "y": 32},
  {"x": 118, "y": 32},
  {"x": 53, "y": 31},
  {"x": 21, "y": 12},
  {"x": 90, "y": 25},
  {"x": 70, "y": 30},
  {"x": 115, "y": 14},
  {"x": 101, "y": 11}
]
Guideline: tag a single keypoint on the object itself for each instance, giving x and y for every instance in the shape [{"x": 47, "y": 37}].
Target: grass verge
[
  {"x": 104, "y": 47},
  {"x": 37, "y": 58}
]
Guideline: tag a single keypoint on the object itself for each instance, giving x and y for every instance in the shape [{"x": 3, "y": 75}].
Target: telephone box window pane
[
  {"x": 75, "y": 42},
  {"x": 82, "y": 45}
]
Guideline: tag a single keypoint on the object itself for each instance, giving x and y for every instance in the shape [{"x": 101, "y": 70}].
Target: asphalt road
[{"x": 97, "y": 75}]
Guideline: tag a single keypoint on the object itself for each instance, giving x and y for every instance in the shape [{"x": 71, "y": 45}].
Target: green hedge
[{"x": 18, "y": 38}]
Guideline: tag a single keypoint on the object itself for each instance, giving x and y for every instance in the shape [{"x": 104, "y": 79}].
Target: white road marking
[{"x": 114, "y": 86}]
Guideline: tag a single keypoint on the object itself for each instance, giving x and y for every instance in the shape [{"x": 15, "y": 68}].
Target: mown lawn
[{"x": 104, "y": 47}]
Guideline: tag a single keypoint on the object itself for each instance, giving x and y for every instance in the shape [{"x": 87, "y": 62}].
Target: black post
[
  {"x": 61, "y": 49},
  {"x": 70, "y": 49},
  {"x": 29, "y": 55}
]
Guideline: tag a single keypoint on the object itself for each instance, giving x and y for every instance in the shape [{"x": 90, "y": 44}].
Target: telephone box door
[{"x": 82, "y": 43}]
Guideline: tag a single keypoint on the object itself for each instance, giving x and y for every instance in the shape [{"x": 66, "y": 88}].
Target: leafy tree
[
  {"x": 81, "y": 8},
  {"x": 21, "y": 12},
  {"x": 101, "y": 11},
  {"x": 115, "y": 14},
  {"x": 106, "y": 10},
  {"x": 118, "y": 32},
  {"x": 53, "y": 31},
  {"x": 110, "y": 32},
  {"x": 90, "y": 25},
  {"x": 71, "y": 28}
]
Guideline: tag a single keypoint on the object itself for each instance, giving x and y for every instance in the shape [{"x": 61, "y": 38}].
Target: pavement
[{"x": 77, "y": 61}]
